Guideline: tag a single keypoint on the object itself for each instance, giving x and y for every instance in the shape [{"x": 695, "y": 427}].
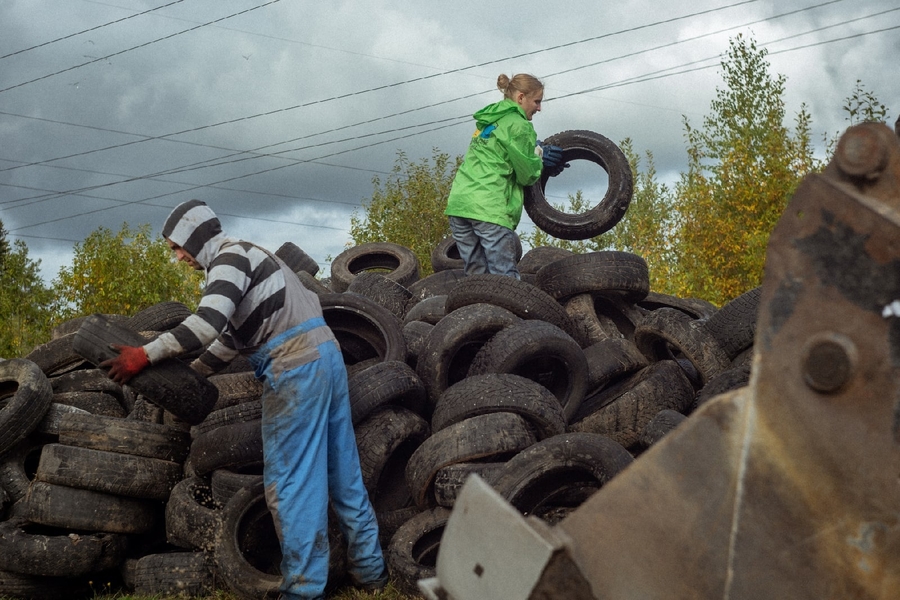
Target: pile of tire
[{"x": 546, "y": 387}]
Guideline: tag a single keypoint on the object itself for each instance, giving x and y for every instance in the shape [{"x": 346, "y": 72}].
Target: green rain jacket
[{"x": 501, "y": 160}]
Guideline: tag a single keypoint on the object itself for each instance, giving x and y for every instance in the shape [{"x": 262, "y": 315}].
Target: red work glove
[{"x": 130, "y": 361}]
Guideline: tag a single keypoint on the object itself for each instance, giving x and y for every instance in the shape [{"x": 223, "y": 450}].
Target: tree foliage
[
  {"x": 743, "y": 166},
  {"x": 122, "y": 273},
  {"x": 25, "y": 302},
  {"x": 408, "y": 208}
]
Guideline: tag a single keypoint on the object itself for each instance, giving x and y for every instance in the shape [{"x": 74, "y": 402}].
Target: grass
[{"x": 391, "y": 592}]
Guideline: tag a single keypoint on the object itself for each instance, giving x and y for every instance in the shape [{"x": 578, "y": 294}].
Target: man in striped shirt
[{"x": 254, "y": 304}]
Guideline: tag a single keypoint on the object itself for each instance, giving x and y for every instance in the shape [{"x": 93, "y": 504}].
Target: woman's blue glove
[{"x": 552, "y": 159}]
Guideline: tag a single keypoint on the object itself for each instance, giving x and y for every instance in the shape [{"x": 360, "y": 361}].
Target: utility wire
[
  {"x": 397, "y": 84},
  {"x": 77, "y": 33},
  {"x": 639, "y": 79},
  {"x": 144, "y": 45}
]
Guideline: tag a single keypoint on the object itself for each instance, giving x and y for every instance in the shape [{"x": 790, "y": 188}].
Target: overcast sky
[{"x": 279, "y": 114}]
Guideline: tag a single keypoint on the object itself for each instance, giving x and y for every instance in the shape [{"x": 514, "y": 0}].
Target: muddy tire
[
  {"x": 363, "y": 328},
  {"x": 539, "y": 477},
  {"x": 541, "y": 352},
  {"x": 396, "y": 262},
  {"x": 31, "y": 550},
  {"x": 191, "y": 574},
  {"x": 171, "y": 384},
  {"x": 137, "y": 438},
  {"x": 454, "y": 342},
  {"x": 493, "y": 436},
  {"x": 108, "y": 472},
  {"x": 584, "y": 145},
  {"x": 162, "y": 316},
  {"x": 500, "y": 392},
  {"x": 412, "y": 553},
  {"x": 296, "y": 259},
  {"x": 236, "y": 446},
  {"x": 389, "y": 382},
  {"x": 193, "y": 517},
  {"x": 385, "y": 292},
  {"x": 609, "y": 273},
  {"x": 28, "y": 394},
  {"x": 87, "y": 510}
]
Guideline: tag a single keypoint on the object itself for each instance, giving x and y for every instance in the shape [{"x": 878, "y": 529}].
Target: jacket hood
[
  {"x": 196, "y": 228},
  {"x": 494, "y": 112}
]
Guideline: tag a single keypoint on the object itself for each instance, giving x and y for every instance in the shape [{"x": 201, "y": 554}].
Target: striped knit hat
[{"x": 190, "y": 225}]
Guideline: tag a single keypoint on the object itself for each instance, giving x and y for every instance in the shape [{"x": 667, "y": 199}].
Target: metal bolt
[
  {"x": 829, "y": 361},
  {"x": 861, "y": 153}
]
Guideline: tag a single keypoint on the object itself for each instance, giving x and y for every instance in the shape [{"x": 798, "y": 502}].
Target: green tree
[
  {"x": 408, "y": 208},
  {"x": 122, "y": 273},
  {"x": 25, "y": 302},
  {"x": 743, "y": 167}
]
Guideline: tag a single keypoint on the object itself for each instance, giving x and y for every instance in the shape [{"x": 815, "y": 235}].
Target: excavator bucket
[{"x": 786, "y": 488}]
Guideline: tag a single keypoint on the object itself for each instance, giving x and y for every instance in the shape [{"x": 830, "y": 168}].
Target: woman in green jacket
[{"x": 504, "y": 156}]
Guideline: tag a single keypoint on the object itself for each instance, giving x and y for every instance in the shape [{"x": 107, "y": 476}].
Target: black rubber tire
[
  {"x": 174, "y": 574},
  {"x": 138, "y": 438},
  {"x": 656, "y": 428},
  {"x": 500, "y": 392},
  {"x": 108, "y": 472},
  {"x": 536, "y": 258},
  {"x": 621, "y": 411},
  {"x": 72, "y": 325},
  {"x": 412, "y": 553},
  {"x": 607, "y": 273},
  {"x": 295, "y": 258},
  {"x": 236, "y": 413},
  {"x": 86, "y": 380},
  {"x": 225, "y": 483},
  {"x": 734, "y": 325},
  {"x": 386, "y": 441},
  {"x": 34, "y": 550},
  {"x": 87, "y": 510},
  {"x": 16, "y": 585},
  {"x": 385, "y": 292},
  {"x": 726, "y": 381},
  {"x": 236, "y": 388},
  {"x": 162, "y": 316},
  {"x": 236, "y": 446},
  {"x": 415, "y": 333},
  {"x": 397, "y": 262},
  {"x": 436, "y": 284},
  {"x": 193, "y": 516},
  {"x": 591, "y": 327},
  {"x": 28, "y": 395},
  {"x": 18, "y": 465},
  {"x": 584, "y": 145},
  {"x": 430, "y": 310},
  {"x": 247, "y": 508},
  {"x": 171, "y": 384},
  {"x": 610, "y": 360},
  {"x": 667, "y": 328},
  {"x": 541, "y": 352},
  {"x": 493, "y": 436},
  {"x": 314, "y": 285},
  {"x": 56, "y": 356},
  {"x": 363, "y": 329},
  {"x": 524, "y": 300},
  {"x": 445, "y": 255},
  {"x": 448, "y": 481},
  {"x": 96, "y": 403},
  {"x": 536, "y": 477},
  {"x": 388, "y": 382},
  {"x": 693, "y": 307},
  {"x": 453, "y": 343}
]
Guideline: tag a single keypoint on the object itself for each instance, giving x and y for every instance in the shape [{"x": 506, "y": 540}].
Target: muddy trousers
[{"x": 310, "y": 454}]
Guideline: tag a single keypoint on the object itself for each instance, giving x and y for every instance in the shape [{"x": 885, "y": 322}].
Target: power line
[
  {"x": 77, "y": 33},
  {"x": 396, "y": 84},
  {"x": 145, "y": 44},
  {"x": 639, "y": 79},
  {"x": 255, "y": 154}
]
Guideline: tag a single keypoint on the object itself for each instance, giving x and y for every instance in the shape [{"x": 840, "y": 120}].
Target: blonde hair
[{"x": 523, "y": 82}]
